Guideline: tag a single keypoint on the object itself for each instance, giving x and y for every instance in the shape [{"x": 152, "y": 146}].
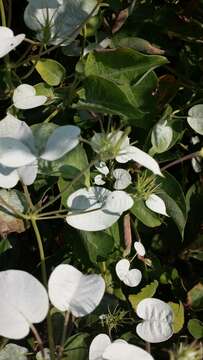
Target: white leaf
[
  {"x": 11, "y": 127},
  {"x": 28, "y": 173},
  {"x": 120, "y": 350},
  {"x": 24, "y": 97},
  {"x": 158, "y": 318},
  {"x": 98, "y": 346},
  {"x": 24, "y": 302},
  {"x": 96, "y": 208},
  {"x": 8, "y": 177},
  {"x": 156, "y": 204},
  {"x": 98, "y": 180},
  {"x": 123, "y": 179},
  {"x": 62, "y": 140},
  {"x": 118, "y": 202},
  {"x": 139, "y": 248},
  {"x": 102, "y": 168},
  {"x": 129, "y": 277},
  {"x": 195, "y": 118},
  {"x": 8, "y": 41},
  {"x": 70, "y": 290},
  {"x": 56, "y": 20},
  {"x": 161, "y": 137},
  {"x": 13, "y": 352},
  {"x": 14, "y": 153}
]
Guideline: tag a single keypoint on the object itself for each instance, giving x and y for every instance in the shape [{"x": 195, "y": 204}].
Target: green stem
[
  {"x": 3, "y": 15},
  {"x": 44, "y": 279}
]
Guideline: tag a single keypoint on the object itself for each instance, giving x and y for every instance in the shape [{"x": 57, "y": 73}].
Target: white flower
[
  {"x": 119, "y": 144},
  {"x": 158, "y": 320},
  {"x": 8, "y": 41},
  {"x": 156, "y": 204},
  {"x": 56, "y": 20},
  {"x": 139, "y": 248},
  {"x": 129, "y": 277},
  {"x": 96, "y": 208},
  {"x": 123, "y": 179},
  {"x": 19, "y": 154},
  {"x": 24, "y": 97},
  {"x": 101, "y": 348},
  {"x": 70, "y": 290}
]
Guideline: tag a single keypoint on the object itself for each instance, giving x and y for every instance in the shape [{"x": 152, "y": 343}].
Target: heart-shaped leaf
[
  {"x": 195, "y": 118},
  {"x": 158, "y": 318},
  {"x": 70, "y": 290},
  {"x": 129, "y": 277},
  {"x": 24, "y": 97},
  {"x": 24, "y": 301}
]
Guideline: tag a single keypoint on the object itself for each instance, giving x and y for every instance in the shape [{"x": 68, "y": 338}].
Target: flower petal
[
  {"x": 133, "y": 278},
  {"x": 62, "y": 140},
  {"x": 156, "y": 204},
  {"x": 24, "y": 97},
  {"x": 98, "y": 346},
  {"x": 25, "y": 301},
  {"x": 14, "y": 153},
  {"x": 28, "y": 173},
  {"x": 8, "y": 41},
  {"x": 118, "y": 202},
  {"x": 102, "y": 168},
  {"x": 70, "y": 290},
  {"x": 98, "y": 180}
]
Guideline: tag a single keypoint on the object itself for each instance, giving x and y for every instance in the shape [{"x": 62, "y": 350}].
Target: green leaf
[
  {"x": 178, "y": 316},
  {"x": 171, "y": 192},
  {"x": 103, "y": 95},
  {"x": 98, "y": 244},
  {"x": 4, "y": 245},
  {"x": 195, "y": 327},
  {"x": 195, "y": 118},
  {"x": 51, "y": 71},
  {"x": 121, "y": 65},
  {"x": 76, "y": 347},
  {"x": 195, "y": 297},
  {"x": 145, "y": 215},
  {"x": 13, "y": 352},
  {"x": 146, "y": 292},
  {"x": 44, "y": 89}
]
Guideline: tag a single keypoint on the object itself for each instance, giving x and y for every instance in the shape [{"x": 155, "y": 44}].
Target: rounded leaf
[
  {"x": 24, "y": 97},
  {"x": 139, "y": 248},
  {"x": 129, "y": 277},
  {"x": 123, "y": 179},
  {"x": 195, "y": 118},
  {"x": 62, "y": 140},
  {"x": 156, "y": 204},
  {"x": 24, "y": 301},
  {"x": 120, "y": 350},
  {"x": 14, "y": 153},
  {"x": 158, "y": 318},
  {"x": 93, "y": 209},
  {"x": 98, "y": 346},
  {"x": 8, "y": 41},
  {"x": 70, "y": 290}
]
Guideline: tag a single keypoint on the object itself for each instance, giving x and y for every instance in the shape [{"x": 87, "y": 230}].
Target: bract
[
  {"x": 24, "y": 97},
  {"x": 70, "y": 290},
  {"x": 8, "y": 41},
  {"x": 24, "y": 301},
  {"x": 129, "y": 277},
  {"x": 156, "y": 204},
  {"x": 101, "y": 348},
  {"x": 158, "y": 319},
  {"x": 96, "y": 208}
]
